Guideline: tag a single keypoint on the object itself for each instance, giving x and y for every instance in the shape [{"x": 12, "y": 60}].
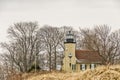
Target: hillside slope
[{"x": 100, "y": 73}]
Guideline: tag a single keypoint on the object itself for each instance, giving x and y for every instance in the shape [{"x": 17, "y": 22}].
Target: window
[
  {"x": 70, "y": 64},
  {"x": 73, "y": 67},
  {"x": 83, "y": 67},
  {"x": 92, "y": 66}
]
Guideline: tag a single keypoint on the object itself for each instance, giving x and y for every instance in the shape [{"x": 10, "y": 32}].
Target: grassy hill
[{"x": 100, "y": 73}]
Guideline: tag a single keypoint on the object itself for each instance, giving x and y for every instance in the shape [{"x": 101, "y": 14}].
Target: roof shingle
[{"x": 88, "y": 56}]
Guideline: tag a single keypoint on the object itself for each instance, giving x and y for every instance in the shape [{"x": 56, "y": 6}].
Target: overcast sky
[{"x": 76, "y": 13}]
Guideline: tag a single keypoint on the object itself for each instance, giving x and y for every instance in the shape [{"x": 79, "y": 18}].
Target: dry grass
[{"x": 100, "y": 73}]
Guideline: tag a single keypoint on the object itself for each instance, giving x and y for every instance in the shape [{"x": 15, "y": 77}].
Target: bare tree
[
  {"x": 51, "y": 38},
  {"x": 2, "y": 73},
  {"x": 102, "y": 40},
  {"x": 24, "y": 45}
]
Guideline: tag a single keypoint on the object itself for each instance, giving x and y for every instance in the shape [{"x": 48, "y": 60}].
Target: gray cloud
[{"x": 59, "y": 12}]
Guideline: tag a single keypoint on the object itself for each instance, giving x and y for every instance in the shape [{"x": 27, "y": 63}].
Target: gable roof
[{"x": 87, "y": 56}]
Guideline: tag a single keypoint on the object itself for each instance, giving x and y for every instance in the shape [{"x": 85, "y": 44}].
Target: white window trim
[
  {"x": 83, "y": 67},
  {"x": 92, "y": 66}
]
